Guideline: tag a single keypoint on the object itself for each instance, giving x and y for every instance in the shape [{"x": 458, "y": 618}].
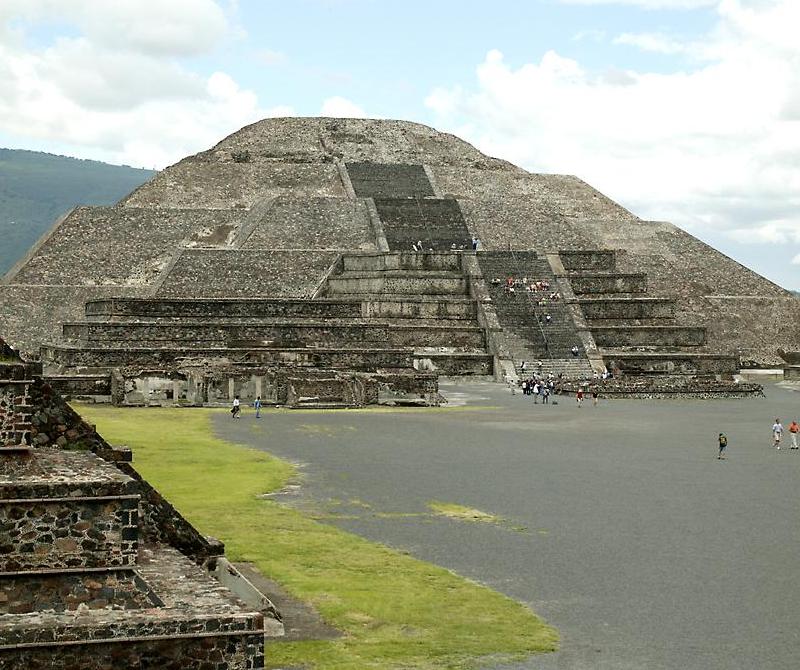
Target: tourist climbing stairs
[{"x": 528, "y": 334}]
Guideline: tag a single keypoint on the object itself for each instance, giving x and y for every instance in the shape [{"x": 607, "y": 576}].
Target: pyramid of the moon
[{"x": 346, "y": 244}]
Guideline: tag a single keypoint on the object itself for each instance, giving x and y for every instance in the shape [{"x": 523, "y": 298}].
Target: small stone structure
[
  {"x": 97, "y": 570},
  {"x": 345, "y": 245}
]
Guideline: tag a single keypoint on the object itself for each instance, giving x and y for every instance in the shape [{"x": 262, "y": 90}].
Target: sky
[{"x": 681, "y": 110}]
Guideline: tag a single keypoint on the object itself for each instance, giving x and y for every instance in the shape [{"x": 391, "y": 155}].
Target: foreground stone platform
[{"x": 97, "y": 570}]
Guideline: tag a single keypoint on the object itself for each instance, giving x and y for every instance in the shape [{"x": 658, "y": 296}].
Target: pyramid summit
[{"x": 346, "y": 245}]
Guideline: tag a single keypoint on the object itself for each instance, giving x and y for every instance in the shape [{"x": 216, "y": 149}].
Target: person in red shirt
[
  {"x": 794, "y": 428},
  {"x": 579, "y": 397}
]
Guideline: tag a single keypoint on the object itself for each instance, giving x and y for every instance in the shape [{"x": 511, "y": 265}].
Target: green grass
[
  {"x": 395, "y": 611},
  {"x": 462, "y": 513}
]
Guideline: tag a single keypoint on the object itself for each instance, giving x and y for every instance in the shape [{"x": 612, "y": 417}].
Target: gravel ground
[{"x": 621, "y": 527}]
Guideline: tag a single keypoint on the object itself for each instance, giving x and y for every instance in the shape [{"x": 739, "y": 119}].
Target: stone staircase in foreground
[{"x": 85, "y": 581}]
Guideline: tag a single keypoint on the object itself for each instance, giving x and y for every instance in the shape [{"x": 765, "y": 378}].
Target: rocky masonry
[
  {"x": 98, "y": 571},
  {"x": 359, "y": 222}
]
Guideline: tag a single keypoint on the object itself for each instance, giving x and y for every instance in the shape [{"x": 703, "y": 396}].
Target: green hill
[{"x": 37, "y": 188}]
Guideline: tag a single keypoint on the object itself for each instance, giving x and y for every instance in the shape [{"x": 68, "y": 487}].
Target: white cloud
[
  {"x": 116, "y": 89},
  {"x": 270, "y": 57},
  {"x": 341, "y": 108},
  {"x": 714, "y": 148},
  {"x": 796, "y": 260},
  {"x": 649, "y": 4},
  {"x": 651, "y": 42}
]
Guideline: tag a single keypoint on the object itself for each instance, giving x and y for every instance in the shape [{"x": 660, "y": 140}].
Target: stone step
[
  {"x": 649, "y": 336},
  {"x": 67, "y": 510},
  {"x": 598, "y": 259},
  {"x": 405, "y": 260},
  {"x": 631, "y": 308},
  {"x": 356, "y": 284},
  {"x": 608, "y": 282}
]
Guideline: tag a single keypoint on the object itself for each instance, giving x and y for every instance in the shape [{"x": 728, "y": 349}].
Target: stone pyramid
[{"x": 346, "y": 244}]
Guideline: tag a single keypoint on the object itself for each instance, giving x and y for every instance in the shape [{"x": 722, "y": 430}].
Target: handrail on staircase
[{"x": 532, "y": 305}]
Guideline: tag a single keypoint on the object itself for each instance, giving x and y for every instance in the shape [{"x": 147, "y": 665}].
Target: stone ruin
[
  {"x": 281, "y": 263},
  {"x": 97, "y": 570}
]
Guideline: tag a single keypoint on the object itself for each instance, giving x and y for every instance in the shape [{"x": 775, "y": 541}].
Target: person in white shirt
[{"x": 777, "y": 433}]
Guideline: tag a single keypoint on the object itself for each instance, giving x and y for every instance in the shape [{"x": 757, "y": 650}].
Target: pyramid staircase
[{"x": 527, "y": 334}]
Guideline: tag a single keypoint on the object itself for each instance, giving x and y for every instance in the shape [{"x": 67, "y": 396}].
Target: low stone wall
[
  {"x": 674, "y": 363},
  {"x": 354, "y": 358},
  {"x": 125, "y": 308},
  {"x": 320, "y": 334},
  {"x": 420, "y": 308},
  {"x": 407, "y": 284},
  {"x": 426, "y": 262},
  {"x": 452, "y": 337},
  {"x": 242, "y": 651},
  {"x": 609, "y": 283},
  {"x": 649, "y": 336},
  {"x": 666, "y": 388},
  {"x": 633, "y": 308},
  {"x": 15, "y": 426},
  {"x": 456, "y": 364},
  {"x": 81, "y": 386}
]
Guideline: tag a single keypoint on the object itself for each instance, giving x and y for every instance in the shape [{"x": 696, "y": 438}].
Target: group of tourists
[
  {"x": 541, "y": 389},
  {"x": 539, "y": 286},
  {"x": 777, "y": 434},
  {"x": 475, "y": 243},
  {"x": 777, "y": 437},
  {"x": 236, "y": 407}
]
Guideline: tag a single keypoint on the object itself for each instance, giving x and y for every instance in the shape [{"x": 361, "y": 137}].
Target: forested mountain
[{"x": 36, "y": 188}]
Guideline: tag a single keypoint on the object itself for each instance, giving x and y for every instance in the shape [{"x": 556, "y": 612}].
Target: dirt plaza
[{"x": 616, "y": 523}]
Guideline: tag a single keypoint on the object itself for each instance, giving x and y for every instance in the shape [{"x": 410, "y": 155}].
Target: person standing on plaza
[
  {"x": 723, "y": 445},
  {"x": 794, "y": 428},
  {"x": 777, "y": 433},
  {"x": 236, "y": 408},
  {"x": 257, "y": 406},
  {"x": 579, "y": 396},
  {"x": 594, "y": 396}
]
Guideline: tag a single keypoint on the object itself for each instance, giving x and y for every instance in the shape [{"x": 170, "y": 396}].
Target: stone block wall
[
  {"x": 402, "y": 260},
  {"x": 609, "y": 283},
  {"x": 124, "y": 309},
  {"x": 15, "y": 409},
  {"x": 283, "y": 334},
  {"x": 313, "y": 223},
  {"x": 649, "y": 336},
  {"x": 249, "y": 273},
  {"x": 588, "y": 260},
  {"x": 599, "y": 309}
]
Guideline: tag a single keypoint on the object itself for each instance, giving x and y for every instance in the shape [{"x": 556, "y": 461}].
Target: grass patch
[
  {"x": 395, "y": 611},
  {"x": 454, "y": 511}
]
